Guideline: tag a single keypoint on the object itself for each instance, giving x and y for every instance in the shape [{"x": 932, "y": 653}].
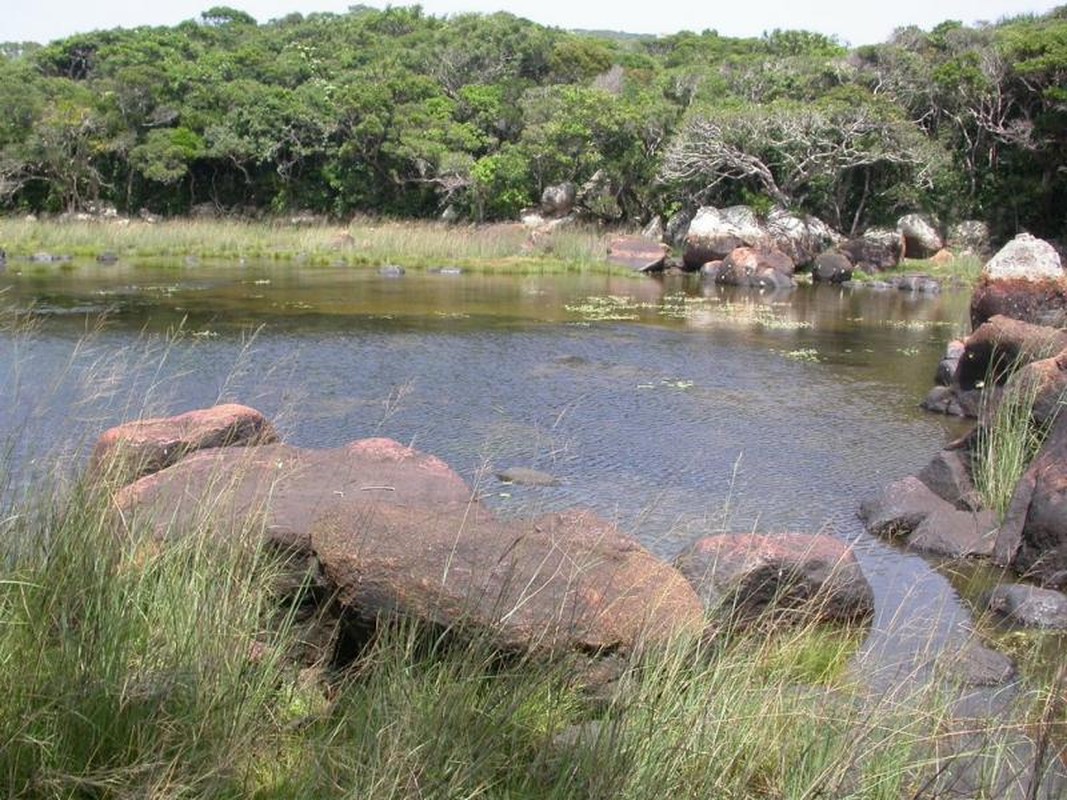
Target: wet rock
[
  {"x": 943, "y": 400},
  {"x": 921, "y": 239},
  {"x": 637, "y": 253},
  {"x": 527, "y": 477},
  {"x": 953, "y": 533},
  {"x": 916, "y": 283},
  {"x": 1001, "y": 345},
  {"x": 1030, "y": 606},
  {"x": 977, "y": 665},
  {"x": 757, "y": 268},
  {"x": 875, "y": 251},
  {"x": 899, "y": 508},
  {"x": 714, "y": 233},
  {"x": 134, "y": 449},
  {"x": 948, "y": 475},
  {"x": 745, "y": 575},
  {"x": 563, "y": 582},
  {"x": 832, "y": 267}
]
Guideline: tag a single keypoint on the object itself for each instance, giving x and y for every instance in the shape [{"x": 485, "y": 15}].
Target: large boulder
[
  {"x": 755, "y": 267},
  {"x": 949, "y": 476},
  {"x": 800, "y": 238},
  {"x": 714, "y": 233},
  {"x": 393, "y": 532},
  {"x": 969, "y": 237},
  {"x": 1001, "y": 345},
  {"x": 1024, "y": 280},
  {"x": 567, "y": 581},
  {"x": 558, "y": 200},
  {"x": 831, "y": 267},
  {"x": 637, "y": 253},
  {"x": 900, "y": 507},
  {"x": 921, "y": 239},
  {"x": 744, "y": 576},
  {"x": 129, "y": 451},
  {"x": 875, "y": 250}
]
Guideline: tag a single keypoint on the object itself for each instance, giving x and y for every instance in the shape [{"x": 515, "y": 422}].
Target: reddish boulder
[
  {"x": 567, "y": 581},
  {"x": 714, "y": 233},
  {"x": 1001, "y": 345},
  {"x": 756, "y": 267},
  {"x": 129, "y": 451},
  {"x": 637, "y": 253},
  {"x": 746, "y": 575},
  {"x": 1024, "y": 280},
  {"x": 875, "y": 251}
]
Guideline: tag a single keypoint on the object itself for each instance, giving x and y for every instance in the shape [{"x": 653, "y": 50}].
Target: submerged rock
[{"x": 525, "y": 476}]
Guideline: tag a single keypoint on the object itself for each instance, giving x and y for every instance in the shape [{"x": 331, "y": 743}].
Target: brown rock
[
  {"x": 1003, "y": 344},
  {"x": 1039, "y": 302},
  {"x": 750, "y": 574},
  {"x": 129, "y": 451},
  {"x": 756, "y": 267},
  {"x": 567, "y": 581},
  {"x": 637, "y": 253}
]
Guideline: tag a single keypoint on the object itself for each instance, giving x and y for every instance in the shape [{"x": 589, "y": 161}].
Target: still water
[{"x": 676, "y": 408}]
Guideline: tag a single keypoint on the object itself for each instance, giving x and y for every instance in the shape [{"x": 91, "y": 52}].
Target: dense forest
[{"x": 396, "y": 112}]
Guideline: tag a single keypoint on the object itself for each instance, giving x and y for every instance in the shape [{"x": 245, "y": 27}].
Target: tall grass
[
  {"x": 1008, "y": 438},
  {"x": 132, "y": 669},
  {"x": 368, "y": 242}
]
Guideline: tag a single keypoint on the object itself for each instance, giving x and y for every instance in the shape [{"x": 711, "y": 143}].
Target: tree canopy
[{"x": 397, "y": 112}]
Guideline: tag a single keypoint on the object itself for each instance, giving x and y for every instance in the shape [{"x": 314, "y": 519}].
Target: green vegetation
[
  {"x": 402, "y": 114},
  {"x": 364, "y": 242},
  {"x": 133, "y": 669}
]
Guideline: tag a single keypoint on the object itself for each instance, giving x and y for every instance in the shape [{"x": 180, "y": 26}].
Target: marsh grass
[
  {"x": 363, "y": 242},
  {"x": 1007, "y": 440}
]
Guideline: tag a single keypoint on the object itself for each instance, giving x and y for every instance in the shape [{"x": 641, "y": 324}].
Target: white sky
[{"x": 854, "y": 22}]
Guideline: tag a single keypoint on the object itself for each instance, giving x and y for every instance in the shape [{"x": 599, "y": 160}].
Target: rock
[
  {"x": 1039, "y": 302},
  {"x": 955, "y": 534},
  {"x": 558, "y": 200},
  {"x": 107, "y": 257},
  {"x": 714, "y": 234},
  {"x": 396, "y": 533},
  {"x": 450, "y": 215},
  {"x": 921, "y": 239},
  {"x": 899, "y": 509},
  {"x": 563, "y": 582},
  {"x": 816, "y": 577},
  {"x": 1001, "y": 345},
  {"x": 916, "y": 283},
  {"x": 1046, "y": 381},
  {"x": 970, "y": 237},
  {"x": 637, "y": 253},
  {"x": 286, "y": 488},
  {"x": 134, "y": 449},
  {"x": 800, "y": 238},
  {"x": 1032, "y": 539},
  {"x": 391, "y": 271},
  {"x": 976, "y": 665},
  {"x": 948, "y": 475},
  {"x": 831, "y": 267},
  {"x": 942, "y": 257},
  {"x": 944, "y": 400},
  {"x": 1024, "y": 280},
  {"x": 677, "y": 228},
  {"x": 949, "y": 363},
  {"x": 1024, "y": 258},
  {"x": 527, "y": 477},
  {"x": 875, "y": 251},
  {"x": 1030, "y": 606},
  {"x": 756, "y": 267},
  {"x": 654, "y": 230}
]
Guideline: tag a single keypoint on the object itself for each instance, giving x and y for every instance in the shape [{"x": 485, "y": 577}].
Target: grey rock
[
  {"x": 525, "y": 476},
  {"x": 921, "y": 239},
  {"x": 1030, "y": 606},
  {"x": 900, "y": 508},
  {"x": 948, "y": 475},
  {"x": 955, "y": 534},
  {"x": 1025, "y": 257}
]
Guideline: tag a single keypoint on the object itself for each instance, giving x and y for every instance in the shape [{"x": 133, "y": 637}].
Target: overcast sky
[{"x": 853, "y": 22}]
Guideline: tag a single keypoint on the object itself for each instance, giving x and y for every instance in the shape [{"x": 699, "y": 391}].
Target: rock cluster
[{"x": 388, "y": 532}]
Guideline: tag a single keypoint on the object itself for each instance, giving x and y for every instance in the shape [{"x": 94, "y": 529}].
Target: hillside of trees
[{"x": 399, "y": 113}]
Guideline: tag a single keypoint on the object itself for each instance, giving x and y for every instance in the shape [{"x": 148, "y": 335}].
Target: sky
[{"x": 853, "y": 22}]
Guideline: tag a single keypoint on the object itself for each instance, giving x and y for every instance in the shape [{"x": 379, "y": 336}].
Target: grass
[
  {"x": 963, "y": 269},
  {"x": 1007, "y": 441},
  {"x": 130, "y": 670},
  {"x": 364, "y": 242}
]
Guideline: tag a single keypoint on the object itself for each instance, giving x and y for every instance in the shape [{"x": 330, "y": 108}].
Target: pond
[{"x": 677, "y": 408}]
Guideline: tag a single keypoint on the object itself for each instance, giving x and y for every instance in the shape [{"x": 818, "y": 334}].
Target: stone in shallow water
[
  {"x": 524, "y": 476},
  {"x": 1030, "y": 606}
]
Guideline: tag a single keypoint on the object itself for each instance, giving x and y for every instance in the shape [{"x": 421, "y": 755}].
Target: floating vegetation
[
  {"x": 804, "y": 354},
  {"x": 916, "y": 324},
  {"x": 609, "y": 308},
  {"x": 667, "y": 383},
  {"x": 706, "y": 310}
]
